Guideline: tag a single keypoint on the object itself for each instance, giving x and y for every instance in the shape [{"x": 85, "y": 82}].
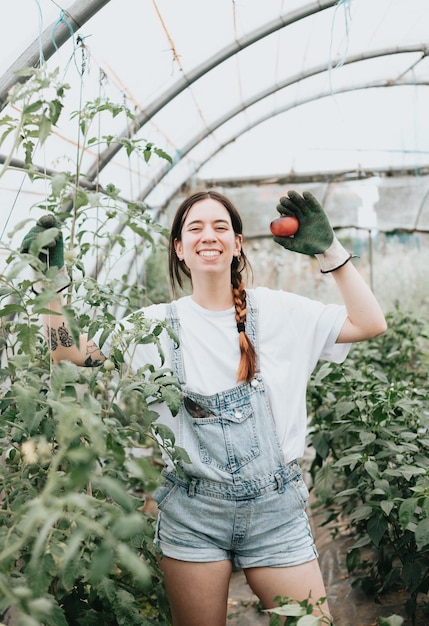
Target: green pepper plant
[{"x": 370, "y": 434}]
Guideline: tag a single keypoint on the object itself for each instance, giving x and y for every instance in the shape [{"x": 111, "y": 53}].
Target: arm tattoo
[
  {"x": 65, "y": 337},
  {"x": 60, "y": 337},
  {"x": 52, "y": 338},
  {"x": 90, "y": 361}
]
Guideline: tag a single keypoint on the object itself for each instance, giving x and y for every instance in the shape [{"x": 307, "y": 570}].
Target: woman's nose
[{"x": 208, "y": 234}]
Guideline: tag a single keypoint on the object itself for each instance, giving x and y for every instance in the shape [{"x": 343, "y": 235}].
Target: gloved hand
[
  {"x": 47, "y": 235},
  {"x": 314, "y": 236}
]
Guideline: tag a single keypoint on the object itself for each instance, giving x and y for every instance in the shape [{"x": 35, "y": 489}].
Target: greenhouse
[{"x": 114, "y": 114}]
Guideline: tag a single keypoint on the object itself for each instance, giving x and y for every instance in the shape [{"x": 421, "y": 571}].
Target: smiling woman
[
  {"x": 206, "y": 245},
  {"x": 126, "y": 107},
  {"x": 239, "y": 498}
]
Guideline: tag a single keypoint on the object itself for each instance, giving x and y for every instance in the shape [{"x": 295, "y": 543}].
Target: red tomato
[{"x": 284, "y": 226}]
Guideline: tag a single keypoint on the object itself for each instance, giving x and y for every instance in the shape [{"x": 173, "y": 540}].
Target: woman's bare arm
[
  {"x": 365, "y": 317},
  {"x": 62, "y": 345}
]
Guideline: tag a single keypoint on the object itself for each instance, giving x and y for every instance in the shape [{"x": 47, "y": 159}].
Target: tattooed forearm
[
  {"x": 86, "y": 354},
  {"x": 93, "y": 351},
  {"x": 58, "y": 337}
]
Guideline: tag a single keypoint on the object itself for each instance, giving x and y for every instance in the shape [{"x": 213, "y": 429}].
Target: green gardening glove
[
  {"x": 314, "y": 236},
  {"x": 45, "y": 240}
]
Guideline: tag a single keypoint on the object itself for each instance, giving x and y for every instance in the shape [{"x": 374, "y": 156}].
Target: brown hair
[{"x": 178, "y": 269}]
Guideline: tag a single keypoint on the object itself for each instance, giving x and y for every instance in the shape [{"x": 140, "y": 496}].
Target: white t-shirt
[{"x": 294, "y": 332}]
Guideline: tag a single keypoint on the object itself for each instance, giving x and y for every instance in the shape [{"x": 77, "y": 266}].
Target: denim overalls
[{"x": 236, "y": 459}]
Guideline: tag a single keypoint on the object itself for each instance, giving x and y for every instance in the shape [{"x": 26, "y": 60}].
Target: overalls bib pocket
[{"x": 229, "y": 440}]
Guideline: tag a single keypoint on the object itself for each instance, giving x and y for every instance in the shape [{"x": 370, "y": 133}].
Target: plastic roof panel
[{"x": 229, "y": 89}]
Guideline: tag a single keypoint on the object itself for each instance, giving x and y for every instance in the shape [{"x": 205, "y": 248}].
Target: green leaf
[
  {"x": 58, "y": 183},
  {"x": 349, "y": 459},
  {"x": 46, "y": 572},
  {"x": 55, "y": 108},
  {"x": 353, "y": 559},
  {"x": 80, "y": 199},
  {"x": 387, "y": 506},
  {"x": 115, "y": 489},
  {"x": 366, "y": 437},
  {"x": 363, "y": 511},
  {"x": 128, "y": 526},
  {"x": 407, "y": 511},
  {"x": 56, "y": 617},
  {"x": 412, "y": 574},
  {"x": 72, "y": 323},
  {"x": 129, "y": 561},
  {"x": 11, "y": 309},
  {"x": 344, "y": 408},
  {"x": 321, "y": 443},
  {"x": 372, "y": 468},
  {"x": 406, "y": 471},
  {"x": 290, "y": 610},
  {"x": 422, "y": 533},
  {"x": 62, "y": 374},
  {"x": 309, "y": 620},
  {"x": 32, "y": 107},
  {"x": 45, "y": 126},
  {"x": 163, "y": 155},
  {"x": 101, "y": 563},
  {"x": 172, "y": 398},
  {"x": 324, "y": 370},
  {"x": 393, "y": 620},
  {"x": 376, "y": 529},
  {"x": 324, "y": 481},
  {"x": 71, "y": 572}
]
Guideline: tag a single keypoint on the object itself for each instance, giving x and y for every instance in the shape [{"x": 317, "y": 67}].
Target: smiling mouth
[{"x": 209, "y": 253}]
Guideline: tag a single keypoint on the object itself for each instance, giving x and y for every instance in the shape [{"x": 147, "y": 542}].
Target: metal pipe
[{"x": 77, "y": 15}]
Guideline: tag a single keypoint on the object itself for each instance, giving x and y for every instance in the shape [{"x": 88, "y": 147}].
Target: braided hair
[{"x": 178, "y": 270}]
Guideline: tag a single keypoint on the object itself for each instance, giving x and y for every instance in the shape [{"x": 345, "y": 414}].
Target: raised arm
[
  {"x": 365, "y": 319},
  {"x": 315, "y": 237},
  {"x": 45, "y": 242}
]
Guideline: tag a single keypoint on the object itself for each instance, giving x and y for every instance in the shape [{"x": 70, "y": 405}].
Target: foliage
[
  {"x": 302, "y": 613},
  {"x": 299, "y": 613},
  {"x": 77, "y": 444},
  {"x": 369, "y": 430}
]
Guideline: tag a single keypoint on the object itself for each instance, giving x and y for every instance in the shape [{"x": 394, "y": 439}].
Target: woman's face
[{"x": 208, "y": 242}]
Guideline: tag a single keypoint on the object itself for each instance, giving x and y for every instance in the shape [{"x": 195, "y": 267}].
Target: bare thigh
[
  {"x": 197, "y": 592},
  {"x": 297, "y": 582}
]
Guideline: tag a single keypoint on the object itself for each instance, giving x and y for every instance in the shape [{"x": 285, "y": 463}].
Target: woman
[{"x": 243, "y": 361}]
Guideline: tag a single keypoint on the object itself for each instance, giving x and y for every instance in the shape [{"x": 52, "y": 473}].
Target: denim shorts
[{"x": 268, "y": 530}]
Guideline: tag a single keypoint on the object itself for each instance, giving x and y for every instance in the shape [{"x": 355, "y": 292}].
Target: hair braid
[{"x": 247, "y": 365}]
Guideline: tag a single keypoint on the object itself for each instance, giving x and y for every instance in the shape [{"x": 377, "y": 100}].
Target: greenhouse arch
[{"x": 112, "y": 112}]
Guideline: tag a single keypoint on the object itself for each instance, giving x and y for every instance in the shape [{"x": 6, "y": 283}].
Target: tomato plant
[{"x": 76, "y": 535}]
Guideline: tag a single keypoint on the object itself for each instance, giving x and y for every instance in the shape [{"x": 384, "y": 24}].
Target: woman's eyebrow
[{"x": 220, "y": 221}]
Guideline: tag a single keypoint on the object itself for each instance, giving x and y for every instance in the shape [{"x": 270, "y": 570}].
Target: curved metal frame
[
  {"x": 82, "y": 10},
  {"x": 385, "y": 84},
  {"x": 278, "y": 111},
  {"x": 79, "y": 13},
  {"x": 187, "y": 79},
  {"x": 268, "y": 92}
]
